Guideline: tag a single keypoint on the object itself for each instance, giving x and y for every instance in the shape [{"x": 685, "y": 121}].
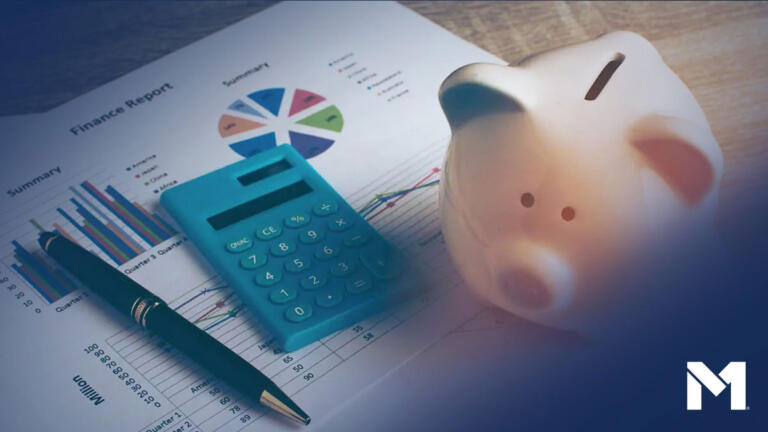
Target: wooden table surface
[{"x": 719, "y": 49}]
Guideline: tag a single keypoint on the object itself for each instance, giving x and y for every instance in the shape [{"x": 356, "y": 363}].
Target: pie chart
[{"x": 268, "y": 117}]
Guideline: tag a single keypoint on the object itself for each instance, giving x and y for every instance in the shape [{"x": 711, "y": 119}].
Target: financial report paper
[{"x": 352, "y": 86}]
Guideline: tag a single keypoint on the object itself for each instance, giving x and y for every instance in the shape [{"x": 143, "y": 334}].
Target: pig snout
[{"x": 535, "y": 278}]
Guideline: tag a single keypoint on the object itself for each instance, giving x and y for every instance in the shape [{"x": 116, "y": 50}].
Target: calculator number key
[
  {"x": 297, "y": 264},
  {"x": 339, "y": 223},
  {"x": 282, "y": 248},
  {"x": 342, "y": 268},
  {"x": 311, "y": 236},
  {"x": 268, "y": 232},
  {"x": 296, "y": 221},
  {"x": 327, "y": 251},
  {"x": 298, "y": 313},
  {"x": 313, "y": 281},
  {"x": 268, "y": 276},
  {"x": 324, "y": 208},
  {"x": 282, "y": 295},
  {"x": 253, "y": 261},
  {"x": 239, "y": 245},
  {"x": 329, "y": 299}
]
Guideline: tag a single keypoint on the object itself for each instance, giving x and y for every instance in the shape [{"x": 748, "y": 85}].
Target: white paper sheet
[{"x": 378, "y": 63}]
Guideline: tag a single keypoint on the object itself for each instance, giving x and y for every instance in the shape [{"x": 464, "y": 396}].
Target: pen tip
[{"x": 280, "y": 402}]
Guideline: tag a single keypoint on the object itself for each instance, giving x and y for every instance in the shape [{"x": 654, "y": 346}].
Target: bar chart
[{"x": 106, "y": 220}]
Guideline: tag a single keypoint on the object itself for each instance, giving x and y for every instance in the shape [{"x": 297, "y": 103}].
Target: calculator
[{"x": 298, "y": 255}]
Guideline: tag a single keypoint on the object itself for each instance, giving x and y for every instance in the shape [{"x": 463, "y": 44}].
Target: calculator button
[
  {"x": 342, "y": 267},
  {"x": 311, "y": 236},
  {"x": 282, "y": 295},
  {"x": 339, "y": 223},
  {"x": 324, "y": 208},
  {"x": 269, "y": 276},
  {"x": 253, "y": 260},
  {"x": 359, "y": 284},
  {"x": 297, "y": 220},
  {"x": 298, "y": 263},
  {"x": 327, "y": 251},
  {"x": 267, "y": 232},
  {"x": 329, "y": 299},
  {"x": 298, "y": 313},
  {"x": 282, "y": 248},
  {"x": 314, "y": 280},
  {"x": 356, "y": 238},
  {"x": 240, "y": 244},
  {"x": 382, "y": 265}
]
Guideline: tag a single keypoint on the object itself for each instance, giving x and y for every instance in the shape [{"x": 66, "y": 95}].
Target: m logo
[{"x": 734, "y": 374}]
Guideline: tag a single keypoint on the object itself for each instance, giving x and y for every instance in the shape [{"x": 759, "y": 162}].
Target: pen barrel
[
  {"x": 207, "y": 352},
  {"x": 109, "y": 283}
]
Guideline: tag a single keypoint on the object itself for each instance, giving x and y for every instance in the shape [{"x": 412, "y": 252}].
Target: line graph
[{"x": 387, "y": 200}]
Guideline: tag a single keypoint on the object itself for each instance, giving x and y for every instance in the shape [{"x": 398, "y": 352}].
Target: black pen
[{"x": 153, "y": 314}]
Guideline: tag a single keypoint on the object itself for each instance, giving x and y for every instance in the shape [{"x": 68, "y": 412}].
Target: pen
[{"x": 153, "y": 314}]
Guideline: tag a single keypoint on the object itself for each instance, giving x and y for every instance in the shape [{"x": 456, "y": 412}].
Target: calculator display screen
[{"x": 258, "y": 205}]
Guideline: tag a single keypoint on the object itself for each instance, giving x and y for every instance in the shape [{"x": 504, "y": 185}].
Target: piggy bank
[{"x": 567, "y": 166}]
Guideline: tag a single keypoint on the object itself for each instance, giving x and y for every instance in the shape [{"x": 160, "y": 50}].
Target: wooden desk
[{"x": 719, "y": 49}]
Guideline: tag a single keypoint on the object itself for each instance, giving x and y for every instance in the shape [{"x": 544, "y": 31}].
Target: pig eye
[
  {"x": 527, "y": 200},
  {"x": 568, "y": 214}
]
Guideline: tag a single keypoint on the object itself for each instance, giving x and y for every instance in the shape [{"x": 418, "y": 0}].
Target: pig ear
[
  {"x": 685, "y": 155},
  {"x": 479, "y": 89}
]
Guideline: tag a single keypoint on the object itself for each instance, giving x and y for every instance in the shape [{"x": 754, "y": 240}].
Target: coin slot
[{"x": 604, "y": 76}]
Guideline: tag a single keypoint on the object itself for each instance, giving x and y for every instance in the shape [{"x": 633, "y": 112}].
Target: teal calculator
[{"x": 303, "y": 261}]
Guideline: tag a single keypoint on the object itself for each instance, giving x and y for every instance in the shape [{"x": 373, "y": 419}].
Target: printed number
[
  {"x": 245, "y": 418},
  {"x": 298, "y": 367},
  {"x": 327, "y": 250},
  {"x": 287, "y": 359},
  {"x": 90, "y": 348},
  {"x": 224, "y": 400},
  {"x": 214, "y": 391},
  {"x": 298, "y": 262},
  {"x": 343, "y": 267},
  {"x": 314, "y": 279},
  {"x": 357, "y": 328},
  {"x": 298, "y": 310},
  {"x": 269, "y": 276},
  {"x": 234, "y": 409},
  {"x": 368, "y": 336},
  {"x": 283, "y": 246},
  {"x": 254, "y": 259},
  {"x": 308, "y": 376},
  {"x": 284, "y": 292},
  {"x": 312, "y": 234}
]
